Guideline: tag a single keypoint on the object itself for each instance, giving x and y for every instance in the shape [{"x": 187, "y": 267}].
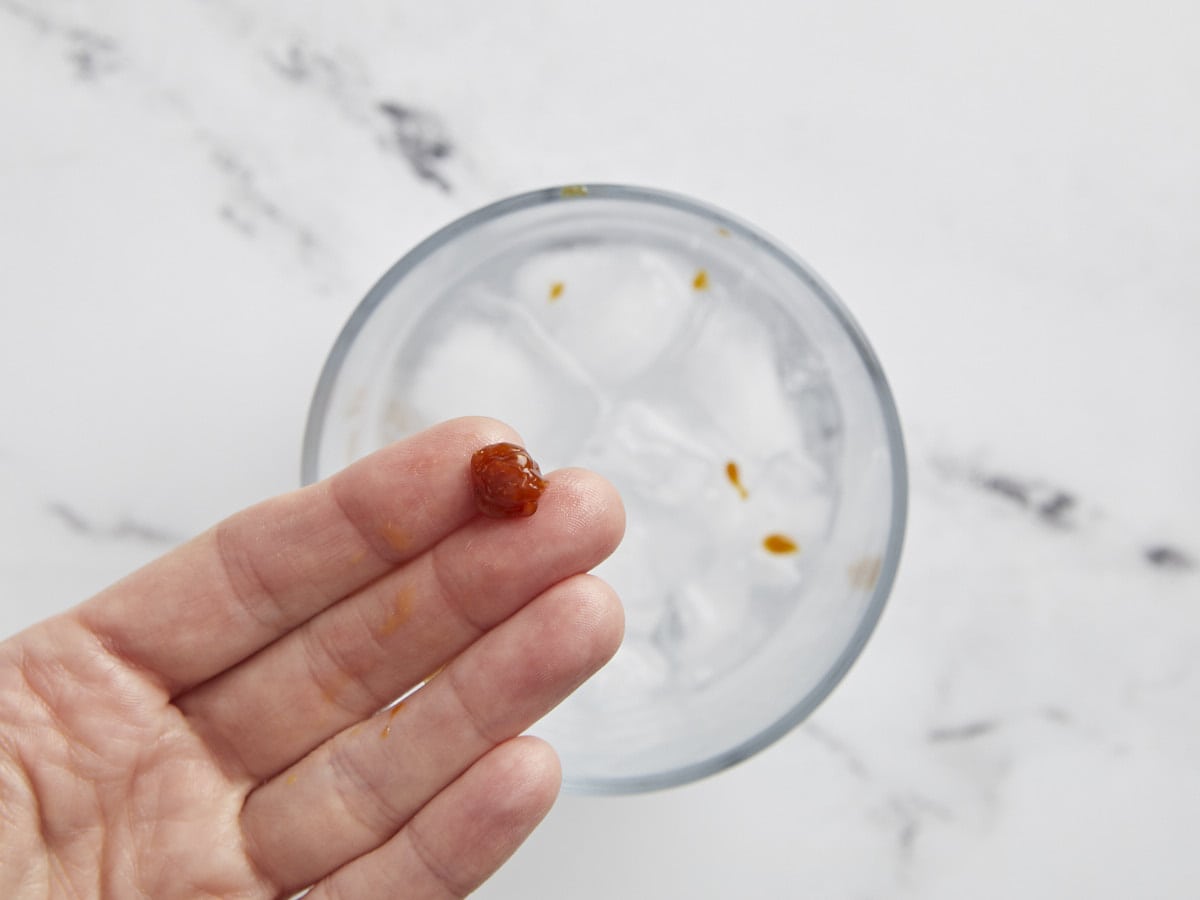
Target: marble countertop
[{"x": 194, "y": 195}]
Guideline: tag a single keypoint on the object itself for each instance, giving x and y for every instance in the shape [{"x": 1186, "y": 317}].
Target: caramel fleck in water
[
  {"x": 556, "y": 290},
  {"x": 780, "y": 544},
  {"x": 395, "y": 536},
  {"x": 401, "y": 610},
  {"x": 723, "y": 232},
  {"x": 387, "y": 729},
  {"x": 291, "y": 779},
  {"x": 864, "y": 573},
  {"x": 700, "y": 282},
  {"x": 574, "y": 190},
  {"x": 735, "y": 478}
]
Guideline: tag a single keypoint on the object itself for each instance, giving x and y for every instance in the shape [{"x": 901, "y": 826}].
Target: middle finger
[{"x": 369, "y": 649}]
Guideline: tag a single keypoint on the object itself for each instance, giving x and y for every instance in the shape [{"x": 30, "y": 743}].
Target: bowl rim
[{"x": 580, "y": 193}]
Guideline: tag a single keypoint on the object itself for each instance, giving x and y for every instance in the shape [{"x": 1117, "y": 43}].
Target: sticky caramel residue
[
  {"x": 359, "y": 556},
  {"x": 864, "y": 573},
  {"x": 780, "y": 544},
  {"x": 735, "y": 478},
  {"x": 387, "y": 729},
  {"x": 574, "y": 190},
  {"x": 395, "y": 536},
  {"x": 291, "y": 779},
  {"x": 401, "y": 610},
  {"x": 330, "y": 691},
  {"x": 723, "y": 232},
  {"x": 700, "y": 282},
  {"x": 556, "y": 290}
]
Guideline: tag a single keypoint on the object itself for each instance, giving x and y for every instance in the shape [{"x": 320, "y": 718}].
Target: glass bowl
[{"x": 725, "y": 391}]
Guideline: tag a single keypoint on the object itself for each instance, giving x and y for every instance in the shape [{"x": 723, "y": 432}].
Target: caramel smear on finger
[
  {"x": 395, "y": 536},
  {"x": 387, "y": 729},
  {"x": 401, "y": 610}
]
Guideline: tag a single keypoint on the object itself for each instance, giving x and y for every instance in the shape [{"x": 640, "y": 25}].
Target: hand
[{"x": 215, "y": 724}]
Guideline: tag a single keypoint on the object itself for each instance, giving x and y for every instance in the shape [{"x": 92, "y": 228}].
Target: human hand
[{"x": 214, "y": 724}]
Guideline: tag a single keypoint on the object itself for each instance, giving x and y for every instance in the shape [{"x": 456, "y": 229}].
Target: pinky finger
[{"x": 461, "y": 836}]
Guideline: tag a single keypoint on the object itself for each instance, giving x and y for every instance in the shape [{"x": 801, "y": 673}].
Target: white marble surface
[{"x": 194, "y": 195}]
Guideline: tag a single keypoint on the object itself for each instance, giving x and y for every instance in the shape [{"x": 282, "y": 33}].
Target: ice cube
[
  {"x": 708, "y": 627},
  {"x": 631, "y": 678},
  {"x": 482, "y": 356},
  {"x": 729, "y": 379},
  {"x": 647, "y": 452},
  {"x": 612, "y": 307},
  {"x": 629, "y": 571},
  {"x": 789, "y": 495}
]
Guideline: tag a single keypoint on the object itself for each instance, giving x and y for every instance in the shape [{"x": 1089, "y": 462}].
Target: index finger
[{"x": 242, "y": 584}]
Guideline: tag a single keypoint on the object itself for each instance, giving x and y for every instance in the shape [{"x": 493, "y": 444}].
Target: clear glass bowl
[{"x": 710, "y": 375}]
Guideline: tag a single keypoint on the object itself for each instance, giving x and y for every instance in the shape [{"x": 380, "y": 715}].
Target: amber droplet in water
[
  {"x": 780, "y": 544},
  {"x": 556, "y": 290},
  {"x": 700, "y": 282},
  {"x": 735, "y": 478},
  {"x": 506, "y": 480},
  {"x": 574, "y": 190}
]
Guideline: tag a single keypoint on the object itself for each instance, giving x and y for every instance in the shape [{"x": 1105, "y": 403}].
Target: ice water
[
  {"x": 665, "y": 371},
  {"x": 724, "y": 391}
]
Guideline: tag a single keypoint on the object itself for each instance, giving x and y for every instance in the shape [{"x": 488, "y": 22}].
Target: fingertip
[
  {"x": 599, "y": 615},
  {"x": 536, "y": 774},
  {"x": 479, "y": 431},
  {"x": 591, "y": 505}
]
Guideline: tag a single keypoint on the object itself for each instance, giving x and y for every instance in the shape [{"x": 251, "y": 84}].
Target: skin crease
[{"x": 216, "y": 724}]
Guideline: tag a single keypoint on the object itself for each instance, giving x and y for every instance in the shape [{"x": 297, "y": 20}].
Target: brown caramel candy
[{"x": 506, "y": 480}]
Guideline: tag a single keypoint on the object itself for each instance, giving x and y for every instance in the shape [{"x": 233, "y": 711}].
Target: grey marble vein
[
  {"x": 90, "y": 53},
  {"x": 421, "y": 138},
  {"x": 840, "y": 749},
  {"x": 416, "y": 134},
  {"x": 1051, "y": 504},
  {"x": 123, "y": 529},
  {"x": 1165, "y": 556},
  {"x": 249, "y": 209},
  {"x": 963, "y": 732}
]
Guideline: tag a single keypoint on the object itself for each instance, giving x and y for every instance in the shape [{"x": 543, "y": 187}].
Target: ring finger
[{"x": 358, "y": 789}]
